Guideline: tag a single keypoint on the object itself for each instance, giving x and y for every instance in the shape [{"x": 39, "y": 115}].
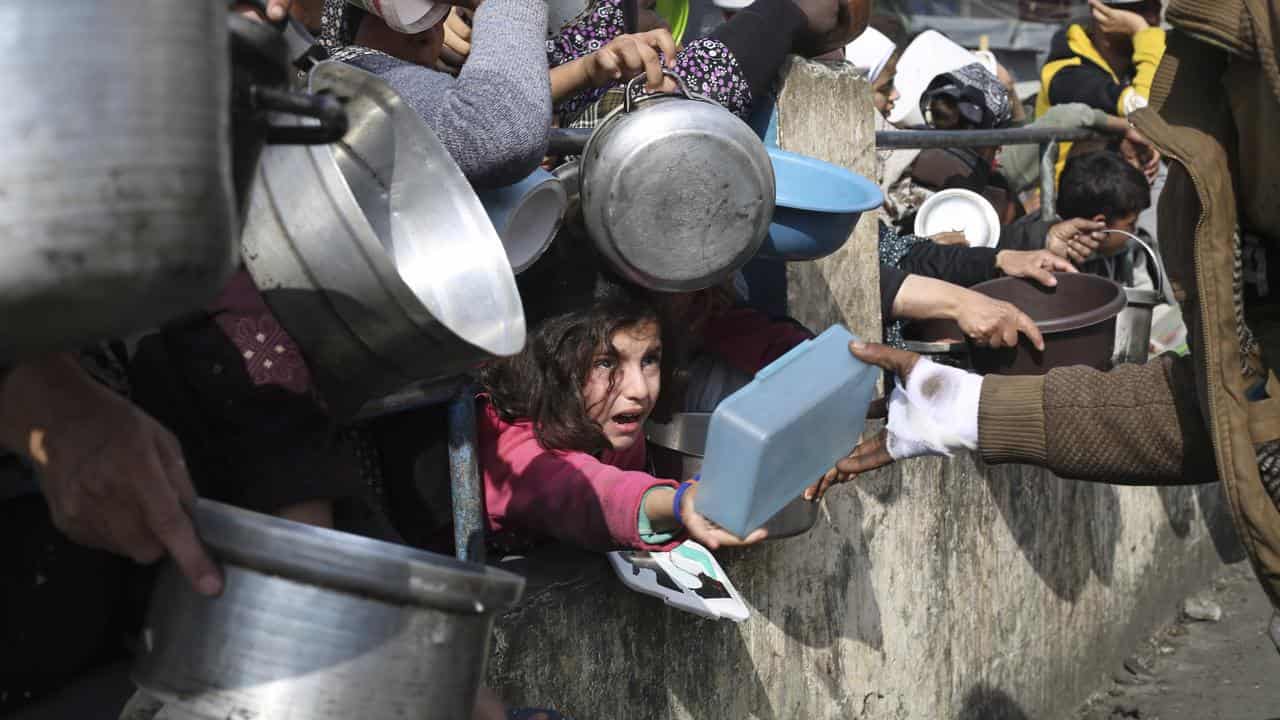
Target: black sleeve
[
  {"x": 760, "y": 36},
  {"x": 891, "y": 279},
  {"x": 1085, "y": 84},
  {"x": 1025, "y": 234},
  {"x": 957, "y": 264}
]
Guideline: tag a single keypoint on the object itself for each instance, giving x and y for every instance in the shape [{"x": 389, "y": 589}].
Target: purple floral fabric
[{"x": 705, "y": 64}]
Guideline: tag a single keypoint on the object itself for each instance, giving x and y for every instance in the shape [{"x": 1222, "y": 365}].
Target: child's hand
[
  {"x": 627, "y": 56},
  {"x": 708, "y": 533},
  {"x": 457, "y": 41},
  {"x": 1115, "y": 20}
]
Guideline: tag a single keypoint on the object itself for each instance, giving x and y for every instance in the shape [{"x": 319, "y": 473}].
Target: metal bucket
[
  {"x": 677, "y": 450},
  {"x": 319, "y": 624},
  {"x": 1133, "y": 324}
]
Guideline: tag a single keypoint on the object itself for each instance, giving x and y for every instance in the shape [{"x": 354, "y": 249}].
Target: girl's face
[
  {"x": 886, "y": 93},
  {"x": 623, "y": 383}
]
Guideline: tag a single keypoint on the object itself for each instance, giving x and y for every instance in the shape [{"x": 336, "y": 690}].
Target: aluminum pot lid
[
  {"x": 679, "y": 192},
  {"x": 395, "y": 573}
]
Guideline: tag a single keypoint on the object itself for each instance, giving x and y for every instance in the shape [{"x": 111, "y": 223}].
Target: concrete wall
[{"x": 932, "y": 589}]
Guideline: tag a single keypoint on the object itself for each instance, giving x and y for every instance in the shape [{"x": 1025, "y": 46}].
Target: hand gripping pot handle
[{"x": 628, "y": 104}]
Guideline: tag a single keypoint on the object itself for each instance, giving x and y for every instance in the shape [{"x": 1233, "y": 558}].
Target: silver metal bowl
[
  {"x": 677, "y": 449},
  {"x": 319, "y": 624}
]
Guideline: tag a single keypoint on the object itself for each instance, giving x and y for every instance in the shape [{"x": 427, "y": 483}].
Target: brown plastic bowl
[{"x": 1077, "y": 319}]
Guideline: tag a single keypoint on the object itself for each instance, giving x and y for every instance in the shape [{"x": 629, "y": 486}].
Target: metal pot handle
[
  {"x": 628, "y": 103},
  {"x": 325, "y": 108},
  {"x": 1161, "y": 279}
]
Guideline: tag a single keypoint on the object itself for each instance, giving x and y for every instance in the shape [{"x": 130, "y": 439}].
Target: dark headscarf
[{"x": 979, "y": 96}]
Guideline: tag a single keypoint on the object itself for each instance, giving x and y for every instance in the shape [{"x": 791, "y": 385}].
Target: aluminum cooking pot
[
  {"x": 319, "y": 624},
  {"x": 1133, "y": 324},
  {"x": 677, "y": 448},
  {"x": 376, "y": 255},
  {"x": 117, "y": 210},
  {"x": 676, "y": 192}
]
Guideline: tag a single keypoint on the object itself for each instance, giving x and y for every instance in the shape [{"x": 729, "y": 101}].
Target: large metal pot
[
  {"x": 375, "y": 254},
  {"x": 676, "y": 192},
  {"x": 117, "y": 206},
  {"x": 319, "y": 624},
  {"x": 1133, "y": 324},
  {"x": 677, "y": 448}
]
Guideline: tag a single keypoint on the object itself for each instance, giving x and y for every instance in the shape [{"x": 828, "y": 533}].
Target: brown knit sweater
[{"x": 1138, "y": 424}]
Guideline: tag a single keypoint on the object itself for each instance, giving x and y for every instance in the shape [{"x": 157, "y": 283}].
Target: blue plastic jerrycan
[{"x": 779, "y": 434}]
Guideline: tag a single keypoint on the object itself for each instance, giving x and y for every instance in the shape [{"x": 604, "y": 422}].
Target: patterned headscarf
[{"x": 979, "y": 95}]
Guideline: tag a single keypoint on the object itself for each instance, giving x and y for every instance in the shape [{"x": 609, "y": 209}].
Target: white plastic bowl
[{"x": 957, "y": 210}]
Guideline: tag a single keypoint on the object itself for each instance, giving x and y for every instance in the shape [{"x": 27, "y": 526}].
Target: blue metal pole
[{"x": 464, "y": 473}]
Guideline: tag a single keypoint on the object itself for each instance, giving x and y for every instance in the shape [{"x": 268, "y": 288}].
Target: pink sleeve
[
  {"x": 749, "y": 339},
  {"x": 570, "y": 496}
]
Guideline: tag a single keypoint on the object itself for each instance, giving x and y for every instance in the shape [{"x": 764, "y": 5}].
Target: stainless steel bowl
[
  {"x": 319, "y": 624},
  {"x": 375, "y": 253},
  {"x": 677, "y": 450}
]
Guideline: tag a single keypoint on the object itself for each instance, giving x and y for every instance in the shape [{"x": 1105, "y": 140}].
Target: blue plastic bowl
[{"x": 816, "y": 208}]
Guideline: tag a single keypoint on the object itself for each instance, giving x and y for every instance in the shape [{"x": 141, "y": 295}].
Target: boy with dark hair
[{"x": 1098, "y": 192}]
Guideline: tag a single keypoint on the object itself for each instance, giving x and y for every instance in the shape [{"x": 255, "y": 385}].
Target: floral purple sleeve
[
  {"x": 708, "y": 67},
  {"x": 705, "y": 65},
  {"x": 587, "y": 33}
]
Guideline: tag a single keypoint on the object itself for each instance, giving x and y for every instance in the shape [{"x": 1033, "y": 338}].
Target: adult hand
[
  {"x": 1038, "y": 265},
  {"x": 950, "y": 237},
  {"x": 707, "y": 532},
  {"x": 457, "y": 41},
  {"x": 831, "y": 24},
  {"x": 871, "y": 453},
  {"x": 1114, "y": 20},
  {"x": 627, "y": 56},
  {"x": 1075, "y": 239},
  {"x": 1138, "y": 151},
  {"x": 995, "y": 323},
  {"x": 113, "y": 477}
]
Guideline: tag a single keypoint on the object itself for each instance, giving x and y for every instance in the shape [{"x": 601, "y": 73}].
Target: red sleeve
[
  {"x": 570, "y": 496},
  {"x": 749, "y": 339}
]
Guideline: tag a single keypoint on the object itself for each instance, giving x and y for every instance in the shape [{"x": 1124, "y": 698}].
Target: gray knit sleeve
[{"x": 495, "y": 117}]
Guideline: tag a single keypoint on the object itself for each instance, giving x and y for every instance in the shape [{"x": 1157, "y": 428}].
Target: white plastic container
[
  {"x": 778, "y": 435},
  {"x": 406, "y": 16}
]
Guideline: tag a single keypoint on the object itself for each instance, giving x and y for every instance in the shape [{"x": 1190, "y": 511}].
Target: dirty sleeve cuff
[{"x": 1011, "y": 425}]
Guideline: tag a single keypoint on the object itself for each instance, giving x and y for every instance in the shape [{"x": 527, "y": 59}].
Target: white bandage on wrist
[{"x": 936, "y": 413}]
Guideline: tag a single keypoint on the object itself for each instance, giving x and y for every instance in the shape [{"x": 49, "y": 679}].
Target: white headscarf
[{"x": 871, "y": 51}]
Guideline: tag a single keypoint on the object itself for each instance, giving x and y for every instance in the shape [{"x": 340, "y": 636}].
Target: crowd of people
[{"x": 220, "y": 404}]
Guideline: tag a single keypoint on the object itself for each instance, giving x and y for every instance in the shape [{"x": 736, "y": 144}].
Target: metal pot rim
[{"x": 395, "y": 573}]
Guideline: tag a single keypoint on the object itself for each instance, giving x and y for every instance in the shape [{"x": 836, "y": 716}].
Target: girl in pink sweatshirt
[{"x": 561, "y": 435}]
